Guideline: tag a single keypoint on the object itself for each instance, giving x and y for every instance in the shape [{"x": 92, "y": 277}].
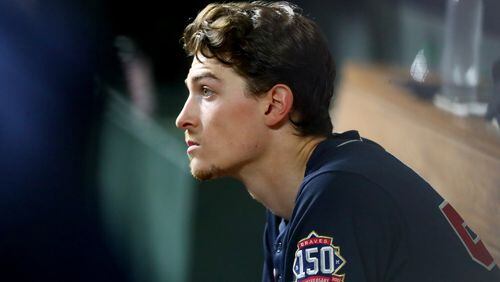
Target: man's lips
[
  {"x": 191, "y": 146},
  {"x": 191, "y": 143}
]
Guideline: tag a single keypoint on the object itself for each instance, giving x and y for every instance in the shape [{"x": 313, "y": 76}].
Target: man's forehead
[
  {"x": 201, "y": 62},
  {"x": 200, "y": 59},
  {"x": 207, "y": 67}
]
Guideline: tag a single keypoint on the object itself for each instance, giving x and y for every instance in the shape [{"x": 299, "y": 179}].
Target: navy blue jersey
[{"x": 362, "y": 215}]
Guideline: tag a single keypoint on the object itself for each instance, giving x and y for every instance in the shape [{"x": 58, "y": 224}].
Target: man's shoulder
[
  {"x": 349, "y": 152},
  {"x": 346, "y": 163},
  {"x": 342, "y": 192}
]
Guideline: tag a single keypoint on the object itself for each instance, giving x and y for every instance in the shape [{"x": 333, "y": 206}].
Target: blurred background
[{"x": 95, "y": 184}]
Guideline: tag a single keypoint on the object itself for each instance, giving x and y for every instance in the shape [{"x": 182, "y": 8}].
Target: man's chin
[{"x": 206, "y": 174}]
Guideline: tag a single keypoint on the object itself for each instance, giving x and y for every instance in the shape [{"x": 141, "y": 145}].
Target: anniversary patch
[{"x": 318, "y": 260}]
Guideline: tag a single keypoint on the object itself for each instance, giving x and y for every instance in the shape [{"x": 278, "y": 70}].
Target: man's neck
[{"x": 275, "y": 179}]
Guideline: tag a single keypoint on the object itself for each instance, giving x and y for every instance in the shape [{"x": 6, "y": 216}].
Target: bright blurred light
[{"x": 419, "y": 69}]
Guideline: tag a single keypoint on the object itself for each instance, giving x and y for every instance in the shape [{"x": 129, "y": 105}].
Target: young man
[{"x": 340, "y": 207}]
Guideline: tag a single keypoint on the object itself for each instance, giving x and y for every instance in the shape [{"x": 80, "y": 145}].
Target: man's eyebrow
[{"x": 201, "y": 76}]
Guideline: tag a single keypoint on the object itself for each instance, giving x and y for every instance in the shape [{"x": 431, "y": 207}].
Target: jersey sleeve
[{"x": 345, "y": 228}]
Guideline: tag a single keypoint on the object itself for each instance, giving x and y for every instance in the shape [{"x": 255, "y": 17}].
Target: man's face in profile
[{"x": 222, "y": 122}]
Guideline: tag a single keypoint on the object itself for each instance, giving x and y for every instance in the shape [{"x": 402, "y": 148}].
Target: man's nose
[{"x": 186, "y": 118}]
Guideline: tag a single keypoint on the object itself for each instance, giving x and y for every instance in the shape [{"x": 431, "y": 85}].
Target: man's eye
[{"x": 207, "y": 92}]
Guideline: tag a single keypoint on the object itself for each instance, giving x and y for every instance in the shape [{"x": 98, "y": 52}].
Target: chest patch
[{"x": 317, "y": 260}]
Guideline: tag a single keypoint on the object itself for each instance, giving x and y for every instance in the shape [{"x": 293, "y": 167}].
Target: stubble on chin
[{"x": 207, "y": 174}]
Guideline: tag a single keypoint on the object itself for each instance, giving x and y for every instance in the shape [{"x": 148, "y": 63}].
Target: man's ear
[{"x": 278, "y": 104}]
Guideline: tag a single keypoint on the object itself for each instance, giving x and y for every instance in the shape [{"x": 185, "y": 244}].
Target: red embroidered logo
[{"x": 471, "y": 241}]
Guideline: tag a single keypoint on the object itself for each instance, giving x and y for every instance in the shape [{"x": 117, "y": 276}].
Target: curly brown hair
[{"x": 270, "y": 43}]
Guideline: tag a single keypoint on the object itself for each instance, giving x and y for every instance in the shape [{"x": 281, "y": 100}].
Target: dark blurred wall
[
  {"x": 156, "y": 26},
  {"x": 49, "y": 225}
]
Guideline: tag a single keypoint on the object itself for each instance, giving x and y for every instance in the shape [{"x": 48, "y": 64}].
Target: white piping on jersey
[{"x": 347, "y": 142}]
